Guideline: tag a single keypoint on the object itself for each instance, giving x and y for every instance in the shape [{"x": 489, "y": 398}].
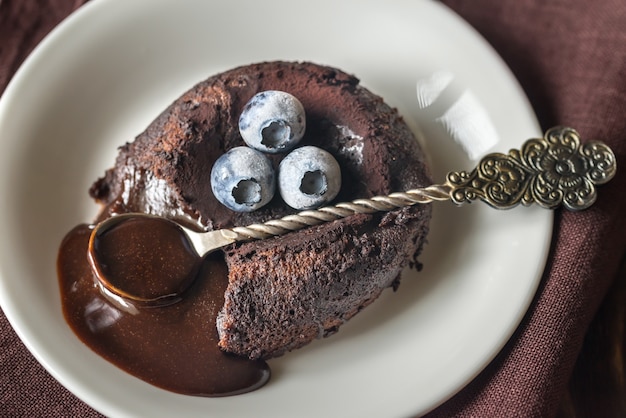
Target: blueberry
[
  {"x": 272, "y": 121},
  {"x": 243, "y": 179},
  {"x": 308, "y": 177}
]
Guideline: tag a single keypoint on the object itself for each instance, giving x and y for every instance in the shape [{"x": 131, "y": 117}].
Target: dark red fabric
[{"x": 570, "y": 57}]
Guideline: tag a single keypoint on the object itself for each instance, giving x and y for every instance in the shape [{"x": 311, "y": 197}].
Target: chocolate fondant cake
[{"x": 283, "y": 292}]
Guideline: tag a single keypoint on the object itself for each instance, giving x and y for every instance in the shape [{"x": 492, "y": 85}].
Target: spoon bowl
[{"x": 144, "y": 260}]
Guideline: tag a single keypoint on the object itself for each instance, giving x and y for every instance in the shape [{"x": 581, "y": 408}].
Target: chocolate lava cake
[{"x": 286, "y": 291}]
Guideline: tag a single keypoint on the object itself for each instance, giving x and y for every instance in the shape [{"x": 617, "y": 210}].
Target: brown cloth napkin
[{"x": 570, "y": 57}]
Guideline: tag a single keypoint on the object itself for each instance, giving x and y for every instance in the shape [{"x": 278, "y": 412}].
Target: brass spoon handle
[{"x": 551, "y": 171}]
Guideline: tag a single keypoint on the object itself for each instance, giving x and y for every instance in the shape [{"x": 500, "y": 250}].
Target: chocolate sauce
[{"x": 173, "y": 347}]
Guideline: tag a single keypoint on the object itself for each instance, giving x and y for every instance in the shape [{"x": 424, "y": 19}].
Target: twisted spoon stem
[{"x": 331, "y": 213}]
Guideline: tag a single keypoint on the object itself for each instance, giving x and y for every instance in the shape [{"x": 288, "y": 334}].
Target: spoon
[{"x": 556, "y": 170}]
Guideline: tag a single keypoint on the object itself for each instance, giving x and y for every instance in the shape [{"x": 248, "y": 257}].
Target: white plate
[{"x": 108, "y": 70}]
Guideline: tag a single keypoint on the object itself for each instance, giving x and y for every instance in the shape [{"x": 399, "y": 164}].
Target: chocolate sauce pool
[{"x": 173, "y": 347}]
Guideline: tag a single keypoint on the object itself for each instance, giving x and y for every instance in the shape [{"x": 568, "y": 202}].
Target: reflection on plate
[{"x": 106, "y": 72}]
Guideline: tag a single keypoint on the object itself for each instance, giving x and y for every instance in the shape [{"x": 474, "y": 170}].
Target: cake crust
[{"x": 286, "y": 291}]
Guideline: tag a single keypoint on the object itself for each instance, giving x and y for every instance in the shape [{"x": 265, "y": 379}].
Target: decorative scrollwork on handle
[{"x": 552, "y": 171}]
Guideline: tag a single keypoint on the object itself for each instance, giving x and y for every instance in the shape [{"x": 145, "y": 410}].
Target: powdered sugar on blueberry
[
  {"x": 272, "y": 121},
  {"x": 243, "y": 179},
  {"x": 308, "y": 177}
]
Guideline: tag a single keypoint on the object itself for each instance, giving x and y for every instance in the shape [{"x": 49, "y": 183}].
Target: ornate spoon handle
[{"x": 551, "y": 171}]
